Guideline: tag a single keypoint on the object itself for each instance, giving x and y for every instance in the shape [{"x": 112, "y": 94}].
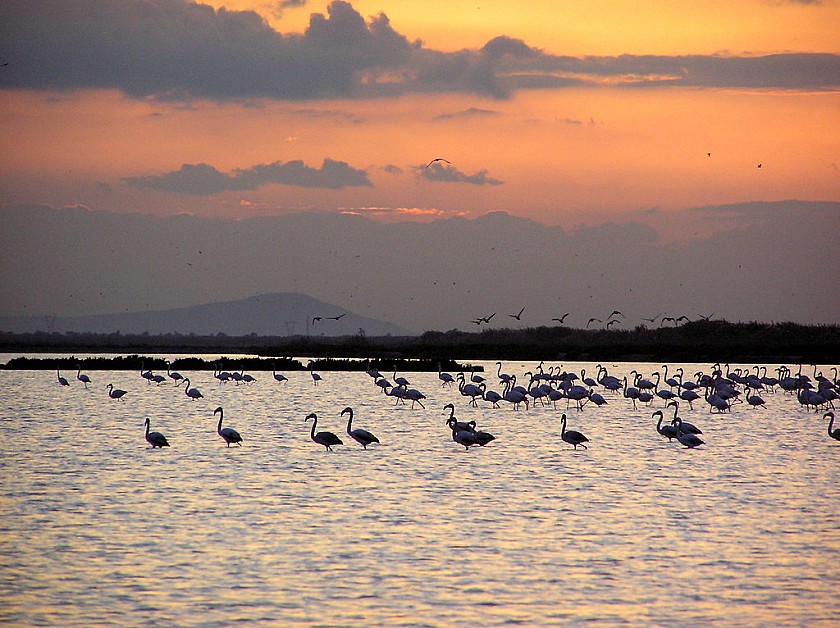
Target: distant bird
[
  {"x": 708, "y": 154},
  {"x": 278, "y": 376},
  {"x": 446, "y": 379},
  {"x": 687, "y": 438},
  {"x": 82, "y": 377},
  {"x": 363, "y": 437},
  {"x": 458, "y": 424},
  {"x": 228, "y": 434},
  {"x": 327, "y": 439},
  {"x": 315, "y": 319},
  {"x": 192, "y": 393},
  {"x": 616, "y": 313},
  {"x": 706, "y": 317},
  {"x": 485, "y": 319},
  {"x": 652, "y": 320},
  {"x": 174, "y": 375},
  {"x": 669, "y": 431},
  {"x": 465, "y": 437},
  {"x": 614, "y": 321},
  {"x": 517, "y": 316},
  {"x": 759, "y": 166},
  {"x": 572, "y": 437},
  {"x": 315, "y": 377},
  {"x": 400, "y": 381},
  {"x": 835, "y": 434},
  {"x": 436, "y": 159},
  {"x": 61, "y": 380},
  {"x": 155, "y": 439},
  {"x": 114, "y": 393},
  {"x": 593, "y": 320},
  {"x": 335, "y": 318},
  {"x": 560, "y": 319}
]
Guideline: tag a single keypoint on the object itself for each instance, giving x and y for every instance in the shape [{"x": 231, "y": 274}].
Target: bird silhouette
[
  {"x": 327, "y": 439},
  {"x": 517, "y": 316},
  {"x": 560, "y": 319},
  {"x": 228, "y": 434},
  {"x": 155, "y": 439},
  {"x": 363, "y": 437},
  {"x": 438, "y": 159},
  {"x": 573, "y": 437}
]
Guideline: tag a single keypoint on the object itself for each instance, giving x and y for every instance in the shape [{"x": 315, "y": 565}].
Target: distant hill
[{"x": 278, "y": 314}]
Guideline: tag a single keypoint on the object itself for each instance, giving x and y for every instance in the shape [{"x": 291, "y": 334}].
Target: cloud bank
[
  {"x": 180, "y": 50},
  {"x": 203, "y": 179}
]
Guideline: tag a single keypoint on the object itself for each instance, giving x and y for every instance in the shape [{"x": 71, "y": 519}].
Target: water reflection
[{"x": 99, "y": 528}]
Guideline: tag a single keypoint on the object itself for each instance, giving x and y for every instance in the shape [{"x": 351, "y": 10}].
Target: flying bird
[
  {"x": 335, "y": 318},
  {"x": 560, "y": 319},
  {"x": 438, "y": 159},
  {"x": 517, "y": 316}
]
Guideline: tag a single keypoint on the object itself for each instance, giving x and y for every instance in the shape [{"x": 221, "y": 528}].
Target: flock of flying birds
[
  {"x": 616, "y": 317},
  {"x": 720, "y": 389}
]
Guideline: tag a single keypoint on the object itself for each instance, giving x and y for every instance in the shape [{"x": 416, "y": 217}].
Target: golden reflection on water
[{"x": 98, "y": 528}]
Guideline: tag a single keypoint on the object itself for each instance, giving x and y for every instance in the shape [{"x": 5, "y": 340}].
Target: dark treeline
[{"x": 698, "y": 341}]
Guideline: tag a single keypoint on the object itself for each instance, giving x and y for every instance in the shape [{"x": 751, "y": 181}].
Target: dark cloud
[
  {"x": 449, "y": 174},
  {"x": 180, "y": 50},
  {"x": 204, "y": 180}
]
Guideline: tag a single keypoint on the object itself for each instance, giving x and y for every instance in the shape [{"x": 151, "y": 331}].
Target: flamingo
[
  {"x": 61, "y": 380},
  {"x": 363, "y": 437},
  {"x": 460, "y": 425},
  {"x": 327, "y": 439},
  {"x": 446, "y": 379},
  {"x": 82, "y": 377},
  {"x": 685, "y": 426},
  {"x": 278, "y": 376},
  {"x": 504, "y": 378},
  {"x": 573, "y": 437},
  {"x": 400, "y": 381},
  {"x": 835, "y": 434},
  {"x": 174, "y": 375},
  {"x": 462, "y": 437},
  {"x": 192, "y": 393},
  {"x": 147, "y": 375},
  {"x": 228, "y": 434},
  {"x": 687, "y": 438},
  {"x": 668, "y": 431},
  {"x": 315, "y": 377},
  {"x": 114, "y": 393},
  {"x": 155, "y": 439}
]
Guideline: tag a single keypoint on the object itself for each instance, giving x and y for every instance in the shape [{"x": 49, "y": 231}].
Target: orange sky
[{"x": 564, "y": 156}]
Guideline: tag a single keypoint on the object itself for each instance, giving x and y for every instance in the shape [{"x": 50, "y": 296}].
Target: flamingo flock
[{"x": 720, "y": 389}]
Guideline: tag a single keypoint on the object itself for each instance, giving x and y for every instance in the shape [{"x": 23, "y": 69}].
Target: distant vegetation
[{"x": 698, "y": 341}]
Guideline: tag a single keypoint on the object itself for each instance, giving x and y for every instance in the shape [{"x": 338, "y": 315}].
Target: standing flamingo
[
  {"x": 315, "y": 377},
  {"x": 82, "y": 377},
  {"x": 687, "y": 438},
  {"x": 668, "y": 431},
  {"x": 155, "y": 439},
  {"x": 228, "y": 434},
  {"x": 115, "y": 393},
  {"x": 192, "y": 393},
  {"x": 572, "y": 437},
  {"x": 363, "y": 437},
  {"x": 278, "y": 376},
  {"x": 61, "y": 380},
  {"x": 327, "y": 439}
]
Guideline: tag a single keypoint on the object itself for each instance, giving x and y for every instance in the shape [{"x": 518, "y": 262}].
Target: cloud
[
  {"x": 204, "y": 180},
  {"x": 472, "y": 112},
  {"x": 449, "y": 174},
  {"x": 178, "y": 50}
]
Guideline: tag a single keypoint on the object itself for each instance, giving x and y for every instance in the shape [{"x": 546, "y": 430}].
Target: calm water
[{"x": 97, "y": 528}]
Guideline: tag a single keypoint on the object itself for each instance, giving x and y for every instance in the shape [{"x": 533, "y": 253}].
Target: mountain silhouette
[{"x": 278, "y": 314}]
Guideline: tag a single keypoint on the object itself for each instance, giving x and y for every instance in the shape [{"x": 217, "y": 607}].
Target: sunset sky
[{"x": 570, "y": 114}]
